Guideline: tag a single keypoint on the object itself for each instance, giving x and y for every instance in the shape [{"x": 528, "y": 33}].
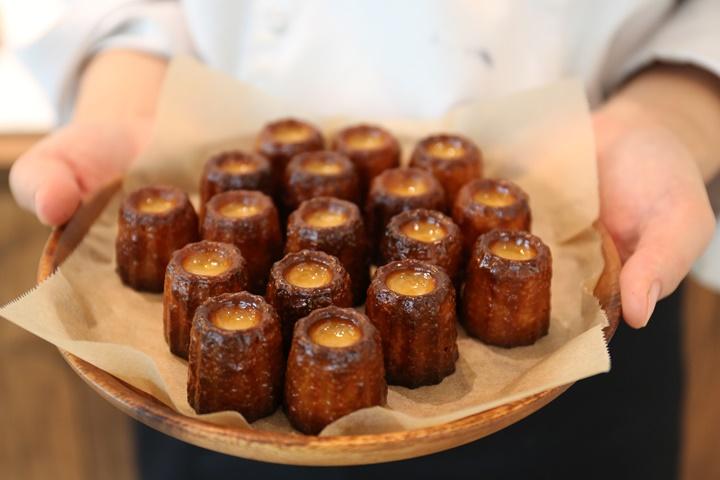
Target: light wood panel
[{"x": 53, "y": 425}]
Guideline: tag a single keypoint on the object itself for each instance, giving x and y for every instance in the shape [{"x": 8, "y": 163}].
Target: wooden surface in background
[
  {"x": 53, "y": 425},
  {"x": 701, "y": 429},
  {"x": 12, "y": 145}
]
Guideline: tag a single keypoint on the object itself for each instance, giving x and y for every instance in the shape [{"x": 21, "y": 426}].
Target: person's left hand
[{"x": 653, "y": 202}]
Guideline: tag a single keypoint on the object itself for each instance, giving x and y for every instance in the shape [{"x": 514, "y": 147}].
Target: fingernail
[{"x": 652, "y": 298}]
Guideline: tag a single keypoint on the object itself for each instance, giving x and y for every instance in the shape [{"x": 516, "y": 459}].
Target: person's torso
[{"x": 417, "y": 58}]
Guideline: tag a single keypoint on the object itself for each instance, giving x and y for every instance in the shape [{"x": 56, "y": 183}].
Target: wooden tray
[{"x": 300, "y": 449}]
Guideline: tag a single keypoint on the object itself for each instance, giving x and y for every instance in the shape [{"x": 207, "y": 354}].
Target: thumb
[
  {"x": 665, "y": 252},
  {"x": 46, "y": 185}
]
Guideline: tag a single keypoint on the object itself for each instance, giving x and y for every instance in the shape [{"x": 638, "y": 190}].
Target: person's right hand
[{"x": 67, "y": 166}]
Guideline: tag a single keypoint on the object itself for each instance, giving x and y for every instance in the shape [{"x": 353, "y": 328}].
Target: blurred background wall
[
  {"x": 54, "y": 426},
  {"x": 51, "y": 424}
]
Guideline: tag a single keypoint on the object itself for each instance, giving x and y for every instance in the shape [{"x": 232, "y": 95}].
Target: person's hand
[
  {"x": 57, "y": 173},
  {"x": 653, "y": 202}
]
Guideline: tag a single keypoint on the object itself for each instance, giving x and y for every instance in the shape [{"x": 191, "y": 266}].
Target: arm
[
  {"x": 111, "y": 124},
  {"x": 657, "y": 138}
]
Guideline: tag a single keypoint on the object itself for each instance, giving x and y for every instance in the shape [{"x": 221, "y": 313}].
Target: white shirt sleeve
[
  {"x": 88, "y": 27},
  {"x": 690, "y": 35}
]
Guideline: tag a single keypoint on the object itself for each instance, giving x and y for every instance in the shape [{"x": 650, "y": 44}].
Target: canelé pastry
[
  {"x": 412, "y": 304},
  {"x": 486, "y": 204},
  {"x": 335, "y": 367},
  {"x": 453, "y": 159},
  {"x": 397, "y": 190},
  {"x": 195, "y": 273},
  {"x": 335, "y": 227},
  {"x": 234, "y": 170},
  {"x": 305, "y": 281},
  {"x": 372, "y": 149},
  {"x": 249, "y": 220},
  {"x": 153, "y": 222},
  {"x": 282, "y": 139},
  {"x": 321, "y": 173},
  {"x": 236, "y": 357},
  {"x": 424, "y": 235},
  {"x": 506, "y": 300}
]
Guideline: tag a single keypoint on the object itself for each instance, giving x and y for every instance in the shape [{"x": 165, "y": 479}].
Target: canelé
[
  {"x": 234, "y": 170},
  {"x": 412, "y": 304},
  {"x": 321, "y": 173},
  {"x": 153, "y": 222},
  {"x": 424, "y": 235},
  {"x": 305, "y": 281},
  {"x": 486, "y": 204},
  {"x": 281, "y": 140},
  {"x": 371, "y": 148},
  {"x": 236, "y": 357},
  {"x": 249, "y": 220},
  {"x": 506, "y": 299},
  {"x": 335, "y": 367},
  {"x": 195, "y": 273},
  {"x": 453, "y": 159},
  {"x": 335, "y": 227},
  {"x": 397, "y": 190}
]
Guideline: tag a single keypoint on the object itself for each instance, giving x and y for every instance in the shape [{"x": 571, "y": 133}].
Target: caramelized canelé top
[
  {"x": 235, "y": 170},
  {"x": 155, "y": 205},
  {"x": 516, "y": 253},
  {"x": 288, "y": 137}
]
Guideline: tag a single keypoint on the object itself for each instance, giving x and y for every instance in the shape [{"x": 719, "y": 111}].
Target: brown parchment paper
[{"x": 541, "y": 139}]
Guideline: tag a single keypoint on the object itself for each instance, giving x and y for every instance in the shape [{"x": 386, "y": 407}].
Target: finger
[
  {"x": 45, "y": 185},
  {"x": 665, "y": 252}
]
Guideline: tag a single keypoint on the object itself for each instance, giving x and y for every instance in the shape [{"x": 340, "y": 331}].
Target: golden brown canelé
[
  {"x": 281, "y": 140},
  {"x": 236, "y": 357},
  {"x": 335, "y": 227},
  {"x": 426, "y": 235},
  {"x": 305, "y": 281},
  {"x": 371, "y": 148},
  {"x": 506, "y": 299},
  {"x": 486, "y": 204},
  {"x": 397, "y": 190},
  {"x": 412, "y": 304},
  {"x": 153, "y": 222},
  {"x": 321, "y": 173},
  {"x": 195, "y": 273},
  {"x": 234, "y": 170},
  {"x": 335, "y": 367},
  {"x": 249, "y": 220},
  {"x": 453, "y": 159}
]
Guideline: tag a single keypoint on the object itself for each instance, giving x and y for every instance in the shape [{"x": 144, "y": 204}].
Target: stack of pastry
[{"x": 451, "y": 248}]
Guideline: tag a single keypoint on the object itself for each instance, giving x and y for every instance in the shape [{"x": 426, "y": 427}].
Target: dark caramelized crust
[
  {"x": 446, "y": 252},
  {"x": 240, "y": 370},
  {"x": 382, "y": 204},
  {"x": 258, "y": 236},
  {"x": 369, "y": 162},
  {"x": 452, "y": 173},
  {"x": 347, "y": 242},
  {"x": 185, "y": 291},
  {"x": 419, "y": 334},
  {"x": 234, "y": 170},
  {"x": 146, "y": 241},
  {"x": 507, "y": 302},
  {"x": 325, "y": 383},
  {"x": 292, "y": 302},
  {"x": 475, "y": 218},
  {"x": 280, "y": 153},
  {"x": 300, "y": 183}
]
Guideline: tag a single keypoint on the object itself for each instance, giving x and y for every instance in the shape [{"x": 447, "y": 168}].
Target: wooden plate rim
[{"x": 155, "y": 414}]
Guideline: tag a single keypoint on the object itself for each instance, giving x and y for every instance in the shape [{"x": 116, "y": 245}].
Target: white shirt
[{"x": 376, "y": 58}]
